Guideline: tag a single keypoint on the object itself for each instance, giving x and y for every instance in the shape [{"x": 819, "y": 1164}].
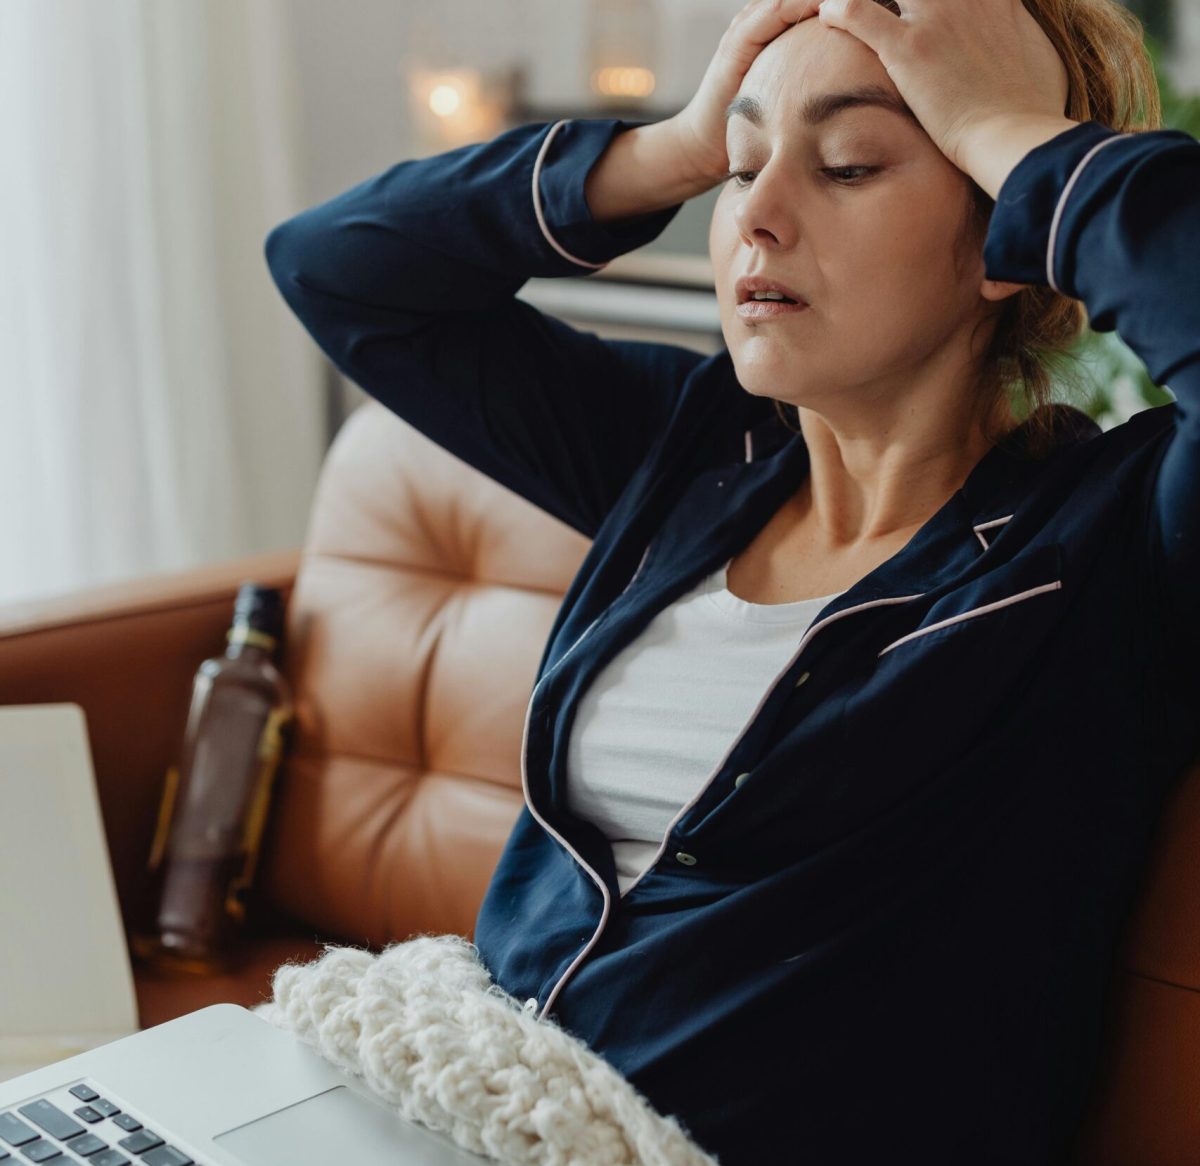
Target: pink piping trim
[
  {"x": 546, "y": 825},
  {"x": 573, "y": 852},
  {"x": 1062, "y": 202},
  {"x": 988, "y": 526},
  {"x": 537, "y": 200},
  {"x": 1055, "y": 586}
]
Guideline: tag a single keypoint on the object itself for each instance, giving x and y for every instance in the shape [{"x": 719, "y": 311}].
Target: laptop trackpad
[{"x": 340, "y": 1125}]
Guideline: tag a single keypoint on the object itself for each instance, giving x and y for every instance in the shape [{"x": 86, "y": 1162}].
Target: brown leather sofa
[{"x": 417, "y": 611}]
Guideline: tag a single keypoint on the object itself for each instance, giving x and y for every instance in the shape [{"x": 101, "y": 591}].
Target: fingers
[
  {"x": 782, "y": 12},
  {"x": 798, "y": 10},
  {"x": 761, "y": 21},
  {"x": 873, "y": 24}
]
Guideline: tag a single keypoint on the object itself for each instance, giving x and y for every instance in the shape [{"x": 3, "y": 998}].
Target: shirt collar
[
  {"x": 972, "y": 517},
  {"x": 1002, "y": 477},
  {"x": 998, "y": 479}
]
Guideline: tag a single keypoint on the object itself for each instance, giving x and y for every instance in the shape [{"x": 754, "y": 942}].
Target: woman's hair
[{"x": 1111, "y": 80}]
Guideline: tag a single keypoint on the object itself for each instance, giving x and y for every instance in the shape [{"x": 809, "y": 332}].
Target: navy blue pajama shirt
[{"x": 896, "y": 935}]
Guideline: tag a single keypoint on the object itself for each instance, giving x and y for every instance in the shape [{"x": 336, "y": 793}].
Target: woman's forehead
[{"x": 809, "y": 62}]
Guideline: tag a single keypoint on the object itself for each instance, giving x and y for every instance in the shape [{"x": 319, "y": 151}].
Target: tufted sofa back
[{"x": 420, "y": 611}]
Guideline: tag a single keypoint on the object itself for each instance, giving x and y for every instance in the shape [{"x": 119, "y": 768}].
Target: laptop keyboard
[{"x": 96, "y": 1133}]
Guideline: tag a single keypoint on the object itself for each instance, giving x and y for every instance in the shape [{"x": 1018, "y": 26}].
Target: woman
[{"x": 851, "y": 732}]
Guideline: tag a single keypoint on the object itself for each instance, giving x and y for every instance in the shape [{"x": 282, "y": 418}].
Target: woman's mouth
[{"x": 759, "y": 310}]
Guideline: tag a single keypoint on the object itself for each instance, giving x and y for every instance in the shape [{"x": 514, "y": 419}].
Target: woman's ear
[{"x": 997, "y": 290}]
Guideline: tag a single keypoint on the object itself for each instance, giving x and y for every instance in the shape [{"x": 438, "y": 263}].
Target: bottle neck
[{"x": 244, "y": 641}]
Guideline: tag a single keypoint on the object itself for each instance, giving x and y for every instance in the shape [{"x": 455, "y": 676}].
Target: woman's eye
[
  {"x": 845, "y": 175},
  {"x": 849, "y": 174},
  {"x": 736, "y": 176}
]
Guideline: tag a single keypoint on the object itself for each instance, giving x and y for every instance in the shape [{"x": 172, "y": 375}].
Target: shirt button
[
  {"x": 741, "y": 777},
  {"x": 686, "y": 859},
  {"x": 531, "y": 1004},
  {"x": 802, "y": 678}
]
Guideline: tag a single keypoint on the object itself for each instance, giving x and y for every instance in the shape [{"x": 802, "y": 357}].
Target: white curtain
[{"x": 159, "y": 405}]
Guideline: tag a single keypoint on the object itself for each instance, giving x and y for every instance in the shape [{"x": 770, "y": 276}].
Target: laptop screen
[{"x": 65, "y": 978}]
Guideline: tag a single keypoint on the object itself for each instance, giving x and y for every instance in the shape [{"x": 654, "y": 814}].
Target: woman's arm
[
  {"x": 407, "y": 281},
  {"x": 630, "y": 178},
  {"x": 1114, "y": 220}
]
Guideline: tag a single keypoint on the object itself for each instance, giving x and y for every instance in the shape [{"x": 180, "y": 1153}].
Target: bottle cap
[{"x": 259, "y": 608}]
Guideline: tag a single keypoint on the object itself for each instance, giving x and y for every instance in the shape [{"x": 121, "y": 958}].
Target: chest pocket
[{"x": 934, "y": 691}]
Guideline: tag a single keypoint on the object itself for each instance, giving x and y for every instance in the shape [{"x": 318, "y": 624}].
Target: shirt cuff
[
  {"x": 569, "y": 151},
  {"x": 1022, "y": 236}
]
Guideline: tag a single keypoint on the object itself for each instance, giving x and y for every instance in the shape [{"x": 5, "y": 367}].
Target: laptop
[{"x": 79, "y": 1082}]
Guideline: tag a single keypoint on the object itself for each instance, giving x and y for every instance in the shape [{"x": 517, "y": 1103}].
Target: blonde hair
[{"x": 1111, "y": 80}]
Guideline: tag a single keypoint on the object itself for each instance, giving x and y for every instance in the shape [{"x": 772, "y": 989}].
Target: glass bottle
[{"x": 214, "y": 804}]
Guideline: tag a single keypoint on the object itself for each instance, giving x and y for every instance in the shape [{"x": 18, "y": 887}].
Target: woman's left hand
[{"x": 975, "y": 74}]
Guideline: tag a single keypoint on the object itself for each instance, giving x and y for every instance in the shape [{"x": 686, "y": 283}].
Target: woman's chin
[{"x": 773, "y": 380}]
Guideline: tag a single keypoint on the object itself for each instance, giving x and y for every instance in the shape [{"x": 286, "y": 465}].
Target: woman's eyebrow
[{"x": 822, "y": 107}]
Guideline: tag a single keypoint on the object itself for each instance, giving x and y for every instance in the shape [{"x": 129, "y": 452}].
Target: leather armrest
[{"x": 127, "y": 652}]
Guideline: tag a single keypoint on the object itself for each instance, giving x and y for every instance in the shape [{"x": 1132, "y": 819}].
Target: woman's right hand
[
  {"x": 654, "y": 166},
  {"x": 700, "y": 125}
]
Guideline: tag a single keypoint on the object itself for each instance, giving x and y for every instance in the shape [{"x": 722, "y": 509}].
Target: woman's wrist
[
  {"x": 644, "y": 169},
  {"x": 990, "y": 151}
]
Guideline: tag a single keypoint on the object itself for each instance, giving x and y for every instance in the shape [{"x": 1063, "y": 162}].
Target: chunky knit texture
[{"x": 426, "y": 1030}]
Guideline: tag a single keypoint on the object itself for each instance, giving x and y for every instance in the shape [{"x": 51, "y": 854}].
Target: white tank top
[{"x": 665, "y": 710}]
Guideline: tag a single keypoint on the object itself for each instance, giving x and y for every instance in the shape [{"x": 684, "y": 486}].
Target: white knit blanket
[{"x": 425, "y": 1029}]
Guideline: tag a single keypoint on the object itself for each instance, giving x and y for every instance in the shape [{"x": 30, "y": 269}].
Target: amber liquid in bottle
[{"x": 215, "y": 803}]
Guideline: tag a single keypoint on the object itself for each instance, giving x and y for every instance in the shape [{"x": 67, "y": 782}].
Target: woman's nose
[{"x": 765, "y": 215}]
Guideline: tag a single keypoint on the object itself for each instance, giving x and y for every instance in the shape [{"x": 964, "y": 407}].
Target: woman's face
[{"x": 859, "y": 213}]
